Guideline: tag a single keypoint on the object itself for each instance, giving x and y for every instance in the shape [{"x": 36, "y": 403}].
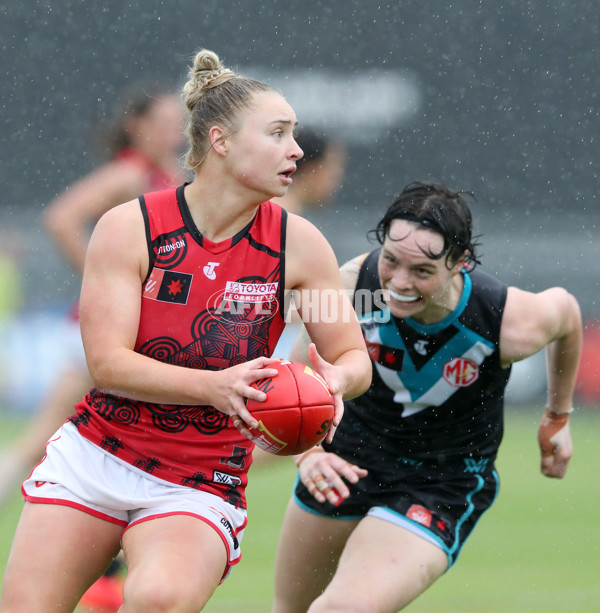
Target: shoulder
[
  {"x": 121, "y": 221},
  {"x": 532, "y": 320},
  {"x": 350, "y": 270},
  {"x": 118, "y": 241},
  {"x": 304, "y": 237},
  {"x": 354, "y": 264},
  {"x": 299, "y": 227},
  {"x": 309, "y": 256},
  {"x": 546, "y": 307}
]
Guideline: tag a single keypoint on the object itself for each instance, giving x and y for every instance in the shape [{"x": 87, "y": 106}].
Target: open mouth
[
  {"x": 287, "y": 173},
  {"x": 402, "y": 298}
]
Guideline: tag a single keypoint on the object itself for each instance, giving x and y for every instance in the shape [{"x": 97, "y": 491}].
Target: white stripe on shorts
[{"x": 399, "y": 520}]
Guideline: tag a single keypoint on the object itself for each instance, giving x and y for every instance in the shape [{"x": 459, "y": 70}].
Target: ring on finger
[{"x": 321, "y": 483}]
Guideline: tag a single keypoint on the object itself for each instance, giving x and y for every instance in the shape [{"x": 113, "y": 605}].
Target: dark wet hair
[{"x": 439, "y": 209}]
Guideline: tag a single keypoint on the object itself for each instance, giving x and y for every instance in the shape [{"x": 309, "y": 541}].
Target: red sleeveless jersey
[{"x": 205, "y": 305}]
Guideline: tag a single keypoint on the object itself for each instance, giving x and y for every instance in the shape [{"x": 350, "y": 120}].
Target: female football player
[
  {"x": 383, "y": 510},
  {"x": 181, "y": 303}
]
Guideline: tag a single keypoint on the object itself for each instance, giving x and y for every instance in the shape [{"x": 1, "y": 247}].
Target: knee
[{"x": 166, "y": 595}]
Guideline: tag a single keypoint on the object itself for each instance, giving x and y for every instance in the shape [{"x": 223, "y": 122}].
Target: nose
[
  {"x": 401, "y": 280},
  {"x": 296, "y": 152}
]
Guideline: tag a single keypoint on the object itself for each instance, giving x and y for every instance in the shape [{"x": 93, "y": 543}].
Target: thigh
[
  {"x": 307, "y": 554},
  {"x": 398, "y": 562},
  {"x": 193, "y": 552},
  {"x": 57, "y": 553}
]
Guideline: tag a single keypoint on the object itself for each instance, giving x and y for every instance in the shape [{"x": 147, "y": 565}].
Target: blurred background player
[
  {"x": 319, "y": 174},
  {"x": 143, "y": 145},
  {"x": 383, "y": 510}
]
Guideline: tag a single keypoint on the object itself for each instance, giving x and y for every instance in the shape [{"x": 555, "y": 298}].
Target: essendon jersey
[
  {"x": 437, "y": 391},
  {"x": 208, "y": 306}
]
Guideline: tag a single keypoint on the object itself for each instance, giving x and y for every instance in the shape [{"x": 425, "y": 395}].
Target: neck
[
  {"x": 217, "y": 212},
  {"x": 290, "y": 203},
  {"x": 446, "y": 305}
]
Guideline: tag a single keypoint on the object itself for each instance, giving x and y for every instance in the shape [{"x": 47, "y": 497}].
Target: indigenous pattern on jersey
[
  {"x": 208, "y": 306},
  {"x": 438, "y": 390}
]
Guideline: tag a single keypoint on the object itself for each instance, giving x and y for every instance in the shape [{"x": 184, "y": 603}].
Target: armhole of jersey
[
  {"x": 146, "y": 217},
  {"x": 282, "y": 244}
]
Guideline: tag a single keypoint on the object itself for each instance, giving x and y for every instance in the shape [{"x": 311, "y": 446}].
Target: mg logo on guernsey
[{"x": 460, "y": 372}]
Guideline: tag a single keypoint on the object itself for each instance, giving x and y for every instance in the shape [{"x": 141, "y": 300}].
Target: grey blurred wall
[{"x": 496, "y": 97}]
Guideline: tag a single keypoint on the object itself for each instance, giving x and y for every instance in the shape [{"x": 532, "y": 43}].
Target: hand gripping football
[{"x": 297, "y": 412}]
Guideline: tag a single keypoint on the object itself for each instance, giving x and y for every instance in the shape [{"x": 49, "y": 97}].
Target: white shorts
[{"x": 76, "y": 473}]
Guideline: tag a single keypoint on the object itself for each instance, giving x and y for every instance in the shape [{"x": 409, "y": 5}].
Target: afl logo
[{"x": 461, "y": 372}]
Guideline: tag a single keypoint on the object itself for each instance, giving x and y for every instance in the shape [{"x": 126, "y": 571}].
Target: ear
[
  {"x": 457, "y": 268},
  {"x": 216, "y": 137}
]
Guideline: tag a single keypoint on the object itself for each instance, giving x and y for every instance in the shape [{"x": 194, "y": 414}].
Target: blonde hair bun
[{"x": 206, "y": 72}]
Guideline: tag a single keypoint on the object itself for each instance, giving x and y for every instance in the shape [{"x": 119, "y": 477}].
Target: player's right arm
[{"x": 116, "y": 266}]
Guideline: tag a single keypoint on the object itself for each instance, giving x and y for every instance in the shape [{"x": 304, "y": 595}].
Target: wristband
[{"x": 552, "y": 423}]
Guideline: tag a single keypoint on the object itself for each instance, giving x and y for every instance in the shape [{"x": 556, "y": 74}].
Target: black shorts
[{"x": 443, "y": 507}]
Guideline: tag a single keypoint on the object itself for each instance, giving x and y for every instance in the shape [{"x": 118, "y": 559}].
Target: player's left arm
[
  {"x": 339, "y": 353},
  {"x": 550, "y": 319}
]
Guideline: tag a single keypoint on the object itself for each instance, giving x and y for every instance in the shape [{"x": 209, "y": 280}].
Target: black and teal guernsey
[{"x": 437, "y": 394}]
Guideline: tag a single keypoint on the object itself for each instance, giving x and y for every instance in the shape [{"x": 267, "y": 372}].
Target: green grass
[{"x": 535, "y": 551}]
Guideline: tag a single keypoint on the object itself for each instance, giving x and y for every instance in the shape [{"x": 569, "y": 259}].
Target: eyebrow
[
  {"x": 427, "y": 263},
  {"x": 286, "y": 121}
]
